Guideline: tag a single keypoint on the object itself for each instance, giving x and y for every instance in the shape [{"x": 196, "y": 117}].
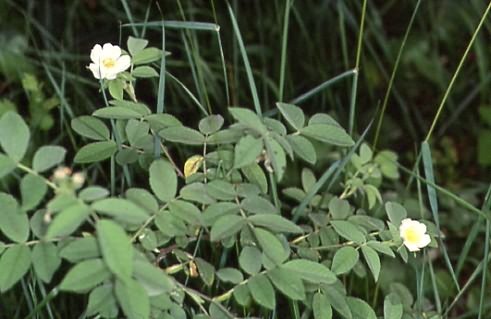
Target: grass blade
[
  {"x": 392, "y": 76},
  {"x": 428, "y": 169},
  {"x": 357, "y": 69},
  {"x": 457, "y": 72},
  {"x": 284, "y": 44},
  {"x": 324, "y": 85},
  {"x": 247, "y": 64}
]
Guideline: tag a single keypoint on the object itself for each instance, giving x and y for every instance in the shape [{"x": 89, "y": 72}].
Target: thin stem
[
  {"x": 357, "y": 68},
  {"x": 457, "y": 72},
  {"x": 392, "y": 76},
  {"x": 283, "y": 50},
  {"x": 30, "y": 171}
]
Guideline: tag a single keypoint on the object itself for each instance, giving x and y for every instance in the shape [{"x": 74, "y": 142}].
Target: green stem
[
  {"x": 283, "y": 50},
  {"x": 392, "y": 76},
  {"x": 357, "y": 69},
  {"x": 457, "y": 72}
]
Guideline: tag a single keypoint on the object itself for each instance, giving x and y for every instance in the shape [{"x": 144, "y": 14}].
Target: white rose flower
[
  {"x": 108, "y": 61},
  {"x": 414, "y": 234}
]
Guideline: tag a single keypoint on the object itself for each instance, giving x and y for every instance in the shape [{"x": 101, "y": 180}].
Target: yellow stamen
[
  {"x": 108, "y": 62},
  {"x": 412, "y": 236}
]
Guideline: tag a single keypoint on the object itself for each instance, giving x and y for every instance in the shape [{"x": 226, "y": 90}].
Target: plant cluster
[{"x": 216, "y": 239}]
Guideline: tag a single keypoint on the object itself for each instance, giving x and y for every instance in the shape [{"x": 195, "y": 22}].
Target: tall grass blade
[
  {"x": 392, "y": 76},
  {"x": 247, "y": 64},
  {"x": 357, "y": 69},
  {"x": 324, "y": 85},
  {"x": 457, "y": 72},
  {"x": 428, "y": 168},
  {"x": 161, "y": 93},
  {"x": 284, "y": 45}
]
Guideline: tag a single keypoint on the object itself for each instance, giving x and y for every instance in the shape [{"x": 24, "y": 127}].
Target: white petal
[
  {"x": 95, "y": 53},
  {"x": 411, "y": 247},
  {"x": 122, "y": 63},
  {"x": 95, "y": 70},
  {"x": 425, "y": 241},
  {"x": 111, "y": 75},
  {"x": 421, "y": 228},
  {"x": 107, "y": 47},
  {"x": 405, "y": 224}
]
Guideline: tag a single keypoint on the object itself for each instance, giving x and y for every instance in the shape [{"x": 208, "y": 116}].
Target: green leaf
[
  {"x": 133, "y": 299},
  {"x": 90, "y": 127},
  {"x": 116, "y": 89},
  {"x": 225, "y": 136},
  {"x": 248, "y": 118},
  {"x": 162, "y": 120},
  {"x": 262, "y": 291},
  {"x": 275, "y": 223},
  {"x": 81, "y": 249},
  {"x": 45, "y": 260},
  {"x": 146, "y": 56},
  {"x": 255, "y": 174},
  {"x": 321, "y": 306},
  {"x": 153, "y": 279},
  {"x": 383, "y": 248},
  {"x": 32, "y": 189},
  {"x": 392, "y": 307},
  {"x": 246, "y": 151},
  {"x": 14, "y": 263},
  {"x": 197, "y": 192},
  {"x": 136, "y": 130},
  {"x": 143, "y": 198},
  {"x": 242, "y": 295},
  {"x": 136, "y": 45},
  {"x": 303, "y": 148},
  {"x": 211, "y": 124},
  {"x": 67, "y": 221},
  {"x": 122, "y": 210},
  {"x": 47, "y": 157},
  {"x": 163, "y": 180},
  {"x": 14, "y": 135},
  {"x": 206, "y": 271},
  {"x": 360, "y": 309},
  {"x": 293, "y": 114},
  {"x": 93, "y": 193},
  {"x": 271, "y": 246},
  {"x": 226, "y": 226},
  {"x": 277, "y": 156},
  {"x": 231, "y": 275},
  {"x": 144, "y": 72},
  {"x": 372, "y": 259},
  {"x": 250, "y": 260},
  {"x": 396, "y": 212},
  {"x": 338, "y": 302},
  {"x": 139, "y": 108},
  {"x": 116, "y": 248},
  {"x": 186, "y": 211},
  {"x": 339, "y": 208},
  {"x": 344, "y": 260},
  {"x": 331, "y": 134},
  {"x": 182, "y": 134},
  {"x": 117, "y": 113},
  {"x": 311, "y": 271},
  {"x": 95, "y": 152},
  {"x": 7, "y": 165},
  {"x": 258, "y": 205},
  {"x": 85, "y": 276},
  {"x": 287, "y": 282},
  {"x": 102, "y": 301},
  {"x": 13, "y": 222},
  {"x": 348, "y": 230}
]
